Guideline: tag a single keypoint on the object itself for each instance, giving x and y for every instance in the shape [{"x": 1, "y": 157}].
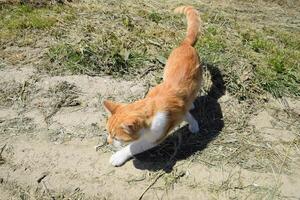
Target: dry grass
[
  {"x": 21, "y": 125},
  {"x": 25, "y": 24},
  {"x": 249, "y": 51},
  {"x": 61, "y": 95},
  {"x": 16, "y": 93},
  {"x": 129, "y": 38},
  {"x": 40, "y": 192}
]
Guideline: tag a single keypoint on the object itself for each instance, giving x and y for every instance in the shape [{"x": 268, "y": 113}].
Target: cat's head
[{"x": 123, "y": 125}]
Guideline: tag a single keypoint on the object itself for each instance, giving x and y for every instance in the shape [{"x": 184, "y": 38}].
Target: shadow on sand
[{"x": 183, "y": 144}]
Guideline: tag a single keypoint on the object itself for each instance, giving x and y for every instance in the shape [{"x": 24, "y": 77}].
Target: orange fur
[{"x": 175, "y": 95}]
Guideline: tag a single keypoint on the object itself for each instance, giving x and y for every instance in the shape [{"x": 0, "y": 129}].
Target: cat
[{"x": 145, "y": 123}]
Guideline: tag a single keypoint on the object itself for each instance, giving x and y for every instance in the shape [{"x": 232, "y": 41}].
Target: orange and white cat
[{"x": 143, "y": 124}]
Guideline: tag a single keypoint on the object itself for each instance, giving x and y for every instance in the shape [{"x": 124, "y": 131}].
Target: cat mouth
[
  {"x": 118, "y": 144},
  {"x": 115, "y": 143}
]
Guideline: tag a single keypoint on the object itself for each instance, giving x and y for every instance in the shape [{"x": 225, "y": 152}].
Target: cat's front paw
[
  {"x": 194, "y": 127},
  {"x": 118, "y": 158}
]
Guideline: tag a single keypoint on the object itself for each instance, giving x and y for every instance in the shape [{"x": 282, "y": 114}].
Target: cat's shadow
[{"x": 182, "y": 144}]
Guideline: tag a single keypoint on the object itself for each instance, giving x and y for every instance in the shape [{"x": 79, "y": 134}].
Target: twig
[
  {"x": 23, "y": 91},
  {"x": 153, "y": 182},
  {"x": 2, "y": 149},
  {"x": 177, "y": 146},
  {"x": 151, "y": 68},
  {"x": 154, "y": 43},
  {"x": 75, "y": 191},
  {"x": 98, "y": 147},
  {"x": 104, "y": 143},
  {"x": 137, "y": 179},
  {"x": 208, "y": 163},
  {"x": 54, "y": 111},
  {"x": 47, "y": 190},
  {"x": 42, "y": 177},
  {"x": 147, "y": 90},
  {"x": 285, "y": 158},
  {"x": 2, "y": 161}
]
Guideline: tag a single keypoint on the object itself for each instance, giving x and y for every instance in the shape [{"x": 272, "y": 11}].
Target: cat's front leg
[
  {"x": 147, "y": 141},
  {"x": 136, "y": 147},
  {"x": 120, "y": 157}
]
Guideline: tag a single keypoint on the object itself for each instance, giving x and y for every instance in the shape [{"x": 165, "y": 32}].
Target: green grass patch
[
  {"x": 19, "y": 20},
  {"x": 155, "y": 17},
  {"x": 277, "y": 62},
  {"x": 212, "y": 41},
  {"x": 126, "y": 41},
  {"x": 92, "y": 59},
  {"x": 24, "y": 16},
  {"x": 253, "y": 61}
]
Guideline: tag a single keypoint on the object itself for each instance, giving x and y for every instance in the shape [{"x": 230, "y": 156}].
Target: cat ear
[{"x": 110, "y": 106}]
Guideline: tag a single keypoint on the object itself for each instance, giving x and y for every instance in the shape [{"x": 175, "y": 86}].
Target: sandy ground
[{"x": 50, "y": 154}]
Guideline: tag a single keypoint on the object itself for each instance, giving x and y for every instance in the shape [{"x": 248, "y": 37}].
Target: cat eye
[{"x": 118, "y": 140}]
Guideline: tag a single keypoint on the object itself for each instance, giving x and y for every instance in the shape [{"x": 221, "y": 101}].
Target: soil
[{"x": 48, "y": 150}]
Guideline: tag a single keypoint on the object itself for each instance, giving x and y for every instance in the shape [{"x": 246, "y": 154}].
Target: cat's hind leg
[
  {"x": 192, "y": 107},
  {"x": 193, "y": 124}
]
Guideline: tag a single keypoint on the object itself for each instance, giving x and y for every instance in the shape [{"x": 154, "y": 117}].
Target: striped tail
[{"x": 193, "y": 21}]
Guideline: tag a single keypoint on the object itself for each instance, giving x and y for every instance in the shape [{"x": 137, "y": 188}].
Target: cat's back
[{"x": 182, "y": 65}]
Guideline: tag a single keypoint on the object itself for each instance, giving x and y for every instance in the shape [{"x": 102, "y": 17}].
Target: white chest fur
[{"x": 146, "y": 141}]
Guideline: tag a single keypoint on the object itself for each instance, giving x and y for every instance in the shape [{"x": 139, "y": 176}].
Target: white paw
[
  {"x": 119, "y": 158},
  {"x": 194, "y": 127}
]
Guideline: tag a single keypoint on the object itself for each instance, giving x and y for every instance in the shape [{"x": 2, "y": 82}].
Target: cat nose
[{"x": 109, "y": 140}]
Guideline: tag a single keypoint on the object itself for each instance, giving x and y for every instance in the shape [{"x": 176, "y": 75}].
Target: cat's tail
[{"x": 193, "y": 21}]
